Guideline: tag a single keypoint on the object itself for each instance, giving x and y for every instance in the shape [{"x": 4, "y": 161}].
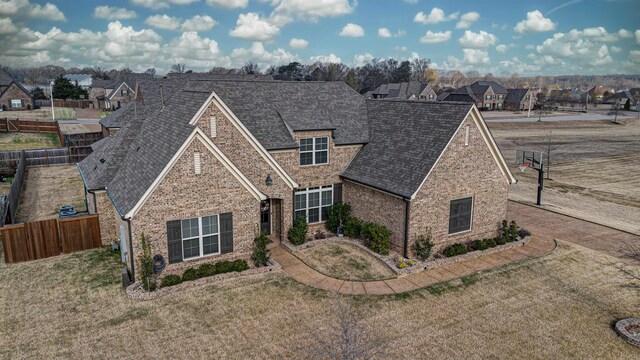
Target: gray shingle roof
[
  {"x": 480, "y": 87},
  {"x": 5, "y": 78},
  {"x": 406, "y": 139},
  {"x": 515, "y": 95},
  {"x": 403, "y": 90},
  {"x": 459, "y": 98}
]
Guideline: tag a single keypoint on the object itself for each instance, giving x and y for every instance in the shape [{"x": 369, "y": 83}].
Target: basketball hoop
[{"x": 524, "y": 166}]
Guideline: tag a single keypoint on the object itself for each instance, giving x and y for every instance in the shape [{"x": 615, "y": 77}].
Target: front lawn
[
  {"x": 559, "y": 306},
  {"x": 345, "y": 261}
]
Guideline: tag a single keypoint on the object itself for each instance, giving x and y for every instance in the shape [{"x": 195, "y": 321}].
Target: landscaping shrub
[
  {"x": 170, "y": 280},
  {"x": 260, "y": 254},
  {"x": 239, "y": 265},
  {"x": 480, "y": 244},
  {"x": 491, "y": 243},
  {"x": 513, "y": 231},
  {"x": 454, "y": 250},
  {"x": 230, "y": 266},
  {"x": 206, "y": 270},
  {"x": 500, "y": 240},
  {"x": 376, "y": 238},
  {"x": 523, "y": 233},
  {"x": 147, "y": 278},
  {"x": 423, "y": 245},
  {"x": 297, "y": 234},
  {"x": 504, "y": 231},
  {"x": 352, "y": 227},
  {"x": 190, "y": 274},
  {"x": 337, "y": 213}
]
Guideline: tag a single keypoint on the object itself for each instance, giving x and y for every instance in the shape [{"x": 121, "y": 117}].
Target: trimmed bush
[
  {"x": 336, "y": 214},
  {"x": 480, "y": 244},
  {"x": 190, "y": 274},
  {"x": 206, "y": 270},
  {"x": 500, "y": 240},
  {"x": 491, "y": 243},
  {"x": 504, "y": 231},
  {"x": 423, "y": 245},
  {"x": 454, "y": 250},
  {"x": 230, "y": 266},
  {"x": 352, "y": 227},
  {"x": 376, "y": 237},
  {"x": 523, "y": 233},
  {"x": 513, "y": 231},
  {"x": 171, "y": 280},
  {"x": 297, "y": 234},
  {"x": 260, "y": 254}
]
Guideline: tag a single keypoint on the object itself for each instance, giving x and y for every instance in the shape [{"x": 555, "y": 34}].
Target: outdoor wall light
[{"x": 268, "y": 181}]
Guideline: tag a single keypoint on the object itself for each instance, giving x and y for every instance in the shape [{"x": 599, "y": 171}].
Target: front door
[{"x": 265, "y": 216}]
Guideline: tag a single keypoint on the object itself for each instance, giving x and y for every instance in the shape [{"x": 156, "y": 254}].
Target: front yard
[{"x": 561, "y": 305}]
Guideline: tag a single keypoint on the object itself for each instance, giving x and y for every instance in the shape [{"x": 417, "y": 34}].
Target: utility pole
[
  {"x": 53, "y": 112},
  {"x": 530, "y": 96}
]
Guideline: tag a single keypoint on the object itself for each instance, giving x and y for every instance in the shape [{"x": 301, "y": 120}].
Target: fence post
[{"x": 46, "y": 156}]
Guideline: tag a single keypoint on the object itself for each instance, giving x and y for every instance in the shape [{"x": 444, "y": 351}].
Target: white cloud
[
  {"x": 113, "y": 13},
  {"x": 229, "y": 4},
  {"x": 615, "y": 49},
  {"x": 160, "y": 4},
  {"x": 258, "y": 54},
  {"x": 600, "y": 34},
  {"x": 298, "y": 43},
  {"x": 581, "y": 47},
  {"x": 352, "y": 30},
  {"x": 475, "y": 56},
  {"x": 286, "y": 11},
  {"x": 435, "y": 37},
  {"x": 384, "y": 33},
  {"x": 199, "y": 23},
  {"x": 360, "y": 60},
  {"x": 195, "y": 51},
  {"x": 24, "y": 8},
  {"x": 502, "y": 48},
  {"x": 535, "y": 22},
  {"x": 411, "y": 1},
  {"x": 625, "y": 34},
  {"x": 637, "y": 33},
  {"x": 529, "y": 47},
  {"x": 515, "y": 65},
  {"x": 401, "y": 48},
  {"x": 327, "y": 59},
  {"x": 634, "y": 56},
  {"x": 467, "y": 19},
  {"x": 436, "y": 16},
  {"x": 250, "y": 27},
  {"x": 163, "y": 22},
  {"x": 7, "y": 27},
  {"x": 479, "y": 40}
]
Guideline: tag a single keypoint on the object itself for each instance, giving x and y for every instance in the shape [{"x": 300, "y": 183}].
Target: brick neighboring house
[
  {"x": 110, "y": 94},
  {"x": 428, "y": 94},
  {"x": 519, "y": 99},
  {"x": 405, "y": 90},
  {"x": 13, "y": 96},
  {"x": 202, "y": 168},
  {"x": 598, "y": 93},
  {"x": 488, "y": 95}
]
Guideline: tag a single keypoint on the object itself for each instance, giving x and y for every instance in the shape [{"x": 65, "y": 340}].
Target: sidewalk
[{"x": 298, "y": 270}]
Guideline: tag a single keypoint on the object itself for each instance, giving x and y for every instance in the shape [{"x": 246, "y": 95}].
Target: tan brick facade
[
  {"x": 182, "y": 195},
  {"x": 462, "y": 171},
  {"x": 14, "y": 92}
]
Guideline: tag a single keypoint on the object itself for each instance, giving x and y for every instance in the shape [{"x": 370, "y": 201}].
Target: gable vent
[
  {"x": 213, "y": 126},
  {"x": 466, "y": 135},
  {"x": 197, "y": 165}
]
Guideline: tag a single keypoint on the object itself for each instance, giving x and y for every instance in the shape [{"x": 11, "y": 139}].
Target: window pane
[
  {"x": 460, "y": 215},
  {"x": 324, "y": 213},
  {"x": 301, "y": 201},
  {"x": 301, "y": 214},
  {"x": 327, "y": 197},
  {"x": 191, "y": 248},
  {"x": 210, "y": 225},
  {"x": 306, "y": 158},
  {"x": 210, "y": 244},
  {"x": 314, "y": 215},
  {"x": 190, "y": 228},
  {"x": 322, "y": 157},
  {"x": 306, "y": 144},
  {"x": 321, "y": 143},
  {"x": 314, "y": 199}
]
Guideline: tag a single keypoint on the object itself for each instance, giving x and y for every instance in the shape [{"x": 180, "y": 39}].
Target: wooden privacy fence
[
  {"x": 15, "y": 125},
  {"x": 83, "y": 104},
  {"x": 43, "y": 157},
  {"x": 45, "y": 238},
  {"x": 9, "y": 202}
]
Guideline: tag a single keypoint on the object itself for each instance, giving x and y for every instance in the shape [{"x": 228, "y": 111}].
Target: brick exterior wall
[
  {"x": 182, "y": 195},
  {"x": 14, "y": 92},
  {"x": 247, "y": 159},
  {"x": 463, "y": 171},
  {"x": 378, "y": 207}
]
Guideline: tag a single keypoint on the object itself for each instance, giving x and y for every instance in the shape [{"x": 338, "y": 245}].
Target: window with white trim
[
  {"x": 488, "y": 97},
  {"x": 200, "y": 237},
  {"x": 314, "y": 151},
  {"x": 312, "y": 203},
  {"x": 460, "y": 211},
  {"x": 16, "y": 103}
]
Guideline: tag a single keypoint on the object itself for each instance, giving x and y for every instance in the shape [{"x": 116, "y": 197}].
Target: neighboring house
[
  {"x": 13, "y": 96},
  {"x": 83, "y": 80},
  {"x": 599, "y": 93},
  {"x": 113, "y": 94},
  {"x": 405, "y": 91},
  {"x": 468, "y": 98},
  {"x": 519, "y": 99},
  {"x": 564, "y": 97},
  {"x": 621, "y": 98},
  {"x": 428, "y": 94},
  {"x": 489, "y": 95},
  {"x": 200, "y": 166}
]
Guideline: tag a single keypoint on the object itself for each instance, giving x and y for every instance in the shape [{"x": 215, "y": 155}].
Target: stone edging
[
  {"x": 418, "y": 266},
  {"x": 134, "y": 292},
  {"x": 630, "y": 338}
]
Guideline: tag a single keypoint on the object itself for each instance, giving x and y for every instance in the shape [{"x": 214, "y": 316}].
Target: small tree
[
  {"x": 337, "y": 214},
  {"x": 260, "y": 254},
  {"x": 298, "y": 232},
  {"x": 548, "y": 147},
  {"x": 146, "y": 265},
  {"x": 423, "y": 245},
  {"x": 513, "y": 231},
  {"x": 177, "y": 68}
]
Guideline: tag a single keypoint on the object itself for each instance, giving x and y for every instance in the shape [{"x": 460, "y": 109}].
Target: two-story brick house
[
  {"x": 489, "y": 95},
  {"x": 202, "y": 166}
]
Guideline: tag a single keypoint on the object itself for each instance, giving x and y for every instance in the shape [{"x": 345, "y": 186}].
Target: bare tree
[
  {"x": 632, "y": 267},
  {"x": 250, "y": 68},
  {"x": 549, "y": 148},
  {"x": 349, "y": 337},
  {"x": 177, "y": 68}
]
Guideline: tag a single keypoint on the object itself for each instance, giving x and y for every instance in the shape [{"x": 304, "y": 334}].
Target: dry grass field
[
  {"x": 558, "y": 306},
  {"x": 345, "y": 261},
  {"x": 62, "y": 113},
  {"x": 593, "y": 168},
  {"x": 45, "y": 189},
  {"x": 24, "y": 141}
]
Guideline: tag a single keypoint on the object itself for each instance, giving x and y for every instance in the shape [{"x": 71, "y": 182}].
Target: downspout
[
  {"x": 406, "y": 227},
  {"x": 133, "y": 270}
]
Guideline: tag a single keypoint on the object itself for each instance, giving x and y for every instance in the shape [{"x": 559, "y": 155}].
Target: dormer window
[{"x": 314, "y": 151}]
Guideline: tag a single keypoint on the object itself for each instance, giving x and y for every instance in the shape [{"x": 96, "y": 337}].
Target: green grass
[
  {"x": 104, "y": 114},
  {"x": 65, "y": 114},
  {"x": 24, "y": 141}
]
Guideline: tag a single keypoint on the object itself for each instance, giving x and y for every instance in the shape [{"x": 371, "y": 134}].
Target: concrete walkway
[{"x": 298, "y": 270}]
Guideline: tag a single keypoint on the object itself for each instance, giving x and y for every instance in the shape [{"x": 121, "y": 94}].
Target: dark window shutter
[
  {"x": 337, "y": 193},
  {"x": 226, "y": 233},
  {"x": 174, "y": 241}
]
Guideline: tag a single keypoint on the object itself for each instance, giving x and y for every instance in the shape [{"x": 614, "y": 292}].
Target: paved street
[{"x": 581, "y": 117}]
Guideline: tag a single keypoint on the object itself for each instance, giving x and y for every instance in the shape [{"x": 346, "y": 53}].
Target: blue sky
[{"x": 526, "y": 37}]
